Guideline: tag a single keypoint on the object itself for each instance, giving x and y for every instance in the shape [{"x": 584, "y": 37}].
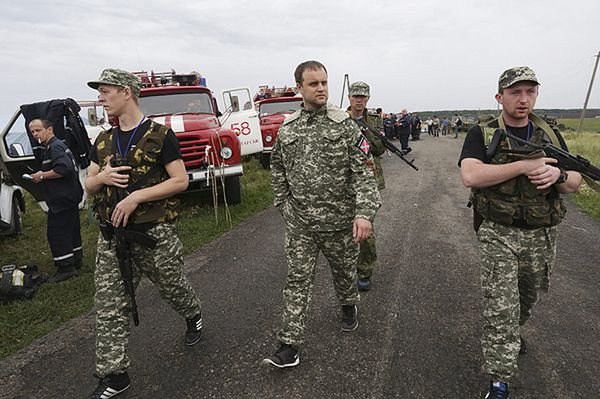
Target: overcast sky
[{"x": 422, "y": 55}]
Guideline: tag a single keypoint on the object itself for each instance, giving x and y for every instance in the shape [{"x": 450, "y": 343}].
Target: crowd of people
[{"x": 328, "y": 196}]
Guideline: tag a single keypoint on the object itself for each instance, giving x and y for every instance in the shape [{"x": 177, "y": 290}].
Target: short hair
[
  {"x": 310, "y": 65},
  {"x": 135, "y": 98},
  {"x": 45, "y": 122}
]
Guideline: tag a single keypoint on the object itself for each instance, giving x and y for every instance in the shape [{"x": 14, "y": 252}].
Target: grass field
[
  {"x": 586, "y": 144},
  {"x": 21, "y": 322},
  {"x": 589, "y": 124}
]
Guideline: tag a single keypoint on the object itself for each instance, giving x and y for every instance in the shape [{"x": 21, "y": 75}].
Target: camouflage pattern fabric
[
  {"x": 319, "y": 170},
  {"x": 516, "y": 75},
  {"x": 302, "y": 248},
  {"x": 163, "y": 265},
  {"x": 118, "y": 77},
  {"x": 322, "y": 181},
  {"x": 516, "y": 265},
  {"x": 143, "y": 159},
  {"x": 359, "y": 89},
  {"x": 367, "y": 257}
]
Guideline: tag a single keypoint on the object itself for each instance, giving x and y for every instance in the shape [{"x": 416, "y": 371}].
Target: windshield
[
  {"x": 181, "y": 103},
  {"x": 284, "y": 107}
]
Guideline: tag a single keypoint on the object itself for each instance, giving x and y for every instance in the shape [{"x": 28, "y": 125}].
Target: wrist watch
[{"x": 562, "y": 178}]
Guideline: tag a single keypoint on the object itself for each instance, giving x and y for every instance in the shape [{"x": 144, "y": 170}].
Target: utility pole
[
  {"x": 587, "y": 97},
  {"x": 345, "y": 85}
]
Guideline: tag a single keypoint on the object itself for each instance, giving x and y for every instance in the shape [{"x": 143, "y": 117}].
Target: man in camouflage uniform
[
  {"x": 517, "y": 204},
  {"x": 324, "y": 186},
  {"x": 135, "y": 170},
  {"x": 358, "y": 95}
]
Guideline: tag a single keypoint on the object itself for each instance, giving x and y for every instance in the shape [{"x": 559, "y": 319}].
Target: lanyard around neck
[{"x": 130, "y": 138}]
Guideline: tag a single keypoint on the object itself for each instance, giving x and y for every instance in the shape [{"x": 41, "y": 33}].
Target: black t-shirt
[
  {"x": 474, "y": 145},
  {"x": 169, "y": 153}
]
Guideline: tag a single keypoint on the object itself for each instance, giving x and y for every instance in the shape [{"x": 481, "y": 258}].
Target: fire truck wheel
[
  {"x": 265, "y": 160},
  {"x": 233, "y": 190}
]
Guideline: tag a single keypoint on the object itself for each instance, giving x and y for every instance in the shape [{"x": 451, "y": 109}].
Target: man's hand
[
  {"x": 544, "y": 176},
  {"x": 361, "y": 229},
  {"x": 124, "y": 209},
  {"x": 37, "y": 176},
  {"x": 114, "y": 176}
]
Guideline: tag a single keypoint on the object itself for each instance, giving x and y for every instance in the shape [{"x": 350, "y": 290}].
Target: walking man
[
  {"x": 140, "y": 159},
  {"x": 516, "y": 198},
  {"x": 324, "y": 186}
]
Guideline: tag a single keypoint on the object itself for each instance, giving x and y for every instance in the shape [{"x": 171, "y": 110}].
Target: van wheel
[{"x": 233, "y": 190}]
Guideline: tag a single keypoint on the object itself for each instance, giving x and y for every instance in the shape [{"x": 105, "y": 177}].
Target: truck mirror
[
  {"x": 16, "y": 150},
  {"x": 92, "y": 117}
]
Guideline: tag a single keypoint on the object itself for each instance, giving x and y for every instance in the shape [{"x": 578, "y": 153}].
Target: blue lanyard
[
  {"x": 130, "y": 139},
  {"x": 529, "y": 130}
]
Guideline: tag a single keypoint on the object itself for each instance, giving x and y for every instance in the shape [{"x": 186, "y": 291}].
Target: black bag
[{"x": 19, "y": 282}]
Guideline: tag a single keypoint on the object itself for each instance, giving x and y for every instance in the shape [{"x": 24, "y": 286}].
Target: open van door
[
  {"x": 241, "y": 116},
  {"x": 17, "y": 156}
]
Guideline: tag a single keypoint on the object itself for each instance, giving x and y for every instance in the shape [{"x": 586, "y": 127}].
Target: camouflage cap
[
  {"x": 118, "y": 77},
  {"x": 359, "y": 89},
  {"x": 515, "y": 75}
]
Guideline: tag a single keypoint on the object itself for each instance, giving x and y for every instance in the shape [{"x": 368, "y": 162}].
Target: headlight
[
  {"x": 226, "y": 152},
  {"x": 268, "y": 138}
]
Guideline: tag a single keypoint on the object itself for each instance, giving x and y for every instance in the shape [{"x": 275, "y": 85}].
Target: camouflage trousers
[
  {"x": 367, "y": 257},
  {"x": 163, "y": 265},
  {"x": 516, "y": 265},
  {"x": 302, "y": 248}
]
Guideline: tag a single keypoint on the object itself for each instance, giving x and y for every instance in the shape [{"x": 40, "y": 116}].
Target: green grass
[
  {"x": 21, "y": 322},
  {"x": 586, "y": 144},
  {"x": 589, "y": 124}
]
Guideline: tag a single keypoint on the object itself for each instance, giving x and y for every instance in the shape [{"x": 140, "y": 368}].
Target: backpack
[{"x": 18, "y": 283}]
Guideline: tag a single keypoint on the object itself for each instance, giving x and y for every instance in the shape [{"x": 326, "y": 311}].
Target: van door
[
  {"x": 17, "y": 155},
  {"x": 241, "y": 116}
]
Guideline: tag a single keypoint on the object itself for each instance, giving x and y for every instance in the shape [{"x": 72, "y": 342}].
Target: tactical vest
[
  {"x": 517, "y": 202},
  {"x": 146, "y": 171}
]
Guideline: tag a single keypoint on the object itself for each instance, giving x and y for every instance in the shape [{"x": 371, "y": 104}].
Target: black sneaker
[
  {"x": 62, "y": 275},
  {"x": 194, "y": 330},
  {"x": 523, "y": 349},
  {"x": 498, "y": 390},
  {"x": 349, "y": 317},
  {"x": 286, "y": 356},
  {"x": 364, "y": 284},
  {"x": 111, "y": 385}
]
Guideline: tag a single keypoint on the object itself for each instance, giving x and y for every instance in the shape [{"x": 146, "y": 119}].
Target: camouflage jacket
[
  {"x": 320, "y": 175},
  {"x": 377, "y": 147}
]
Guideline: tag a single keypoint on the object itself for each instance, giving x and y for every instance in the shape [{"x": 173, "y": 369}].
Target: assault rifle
[
  {"x": 124, "y": 237},
  {"x": 387, "y": 144},
  {"x": 565, "y": 160}
]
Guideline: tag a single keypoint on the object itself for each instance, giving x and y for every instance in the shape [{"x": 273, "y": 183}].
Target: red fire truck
[
  {"x": 183, "y": 103},
  {"x": 274, "y": 105}
]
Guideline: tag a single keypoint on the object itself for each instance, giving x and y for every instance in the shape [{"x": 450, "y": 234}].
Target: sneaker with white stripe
[
  {"x": 111, "y": 385},
  {"x": 194, "y": 330}
]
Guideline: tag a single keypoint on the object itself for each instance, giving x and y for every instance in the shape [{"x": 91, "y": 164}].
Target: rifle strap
[
  {"x": 539, "y": 122},
  {"x": 591, "y": 183}
]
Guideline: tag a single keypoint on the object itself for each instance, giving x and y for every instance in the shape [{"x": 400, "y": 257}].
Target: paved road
[{"x": 419, "y": 327}]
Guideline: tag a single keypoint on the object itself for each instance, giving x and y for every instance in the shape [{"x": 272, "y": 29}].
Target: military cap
[
  {"x": 359, "y": 89},
  {"x": 515, "y": 75},
  {"x": 118, "y": 77}
]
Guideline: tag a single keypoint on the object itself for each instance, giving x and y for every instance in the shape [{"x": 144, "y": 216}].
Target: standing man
[
  {"x": 456, "y": 125},
  {"x": 141, "y": 158},
  {"x": 358, "y": 95},
  {"x": 517, "y": 197},
  {"x": 62, "y": 191},
  {"x": 403, "y": 131},
  {"x": 324, "y": 186}
]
